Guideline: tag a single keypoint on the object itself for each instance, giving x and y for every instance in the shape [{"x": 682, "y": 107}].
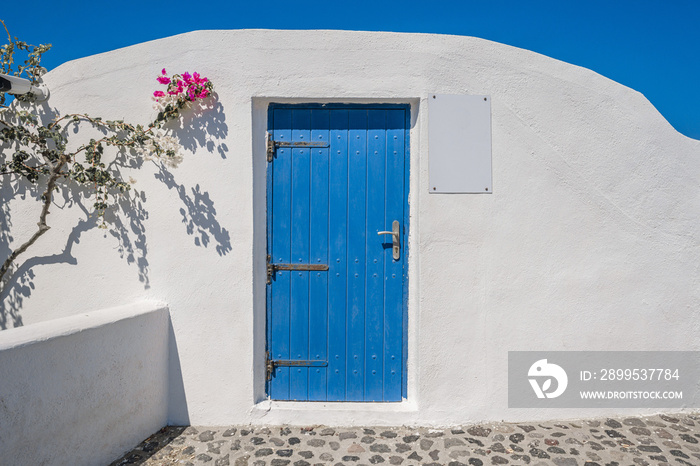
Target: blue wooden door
[{"x": 337, "y": 178}]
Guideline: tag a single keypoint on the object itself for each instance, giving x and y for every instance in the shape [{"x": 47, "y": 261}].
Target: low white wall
[{"x": 83, "y": 390}]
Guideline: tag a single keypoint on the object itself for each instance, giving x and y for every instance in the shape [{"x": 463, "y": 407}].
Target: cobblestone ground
[{"x": 636, "y": 441}]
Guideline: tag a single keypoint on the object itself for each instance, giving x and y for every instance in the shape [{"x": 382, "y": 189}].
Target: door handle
[{"x": 395, "y": 233}]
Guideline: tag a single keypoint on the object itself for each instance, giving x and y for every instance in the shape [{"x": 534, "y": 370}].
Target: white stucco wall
[
  {"x": 589, "y": 241},
  {"x": 84, "y": 389}
]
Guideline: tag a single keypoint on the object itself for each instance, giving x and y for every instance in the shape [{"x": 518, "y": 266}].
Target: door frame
[{"x": 271, "y": 106}]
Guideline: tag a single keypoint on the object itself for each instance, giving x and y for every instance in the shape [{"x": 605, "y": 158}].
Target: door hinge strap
[
  {"x": 298, "y": 363},
  {"x": 273, "y": 268},
  {"x": 273, "y": 145},
  {"x": 272, "y": 363}
]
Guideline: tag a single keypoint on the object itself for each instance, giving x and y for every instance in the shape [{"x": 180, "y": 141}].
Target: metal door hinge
[
  {"x": 270, "y": 270},
  {"x": 269, "y": 366},
  {"x": 272, "y": 145},
  {"x": 273, "y": 268}
]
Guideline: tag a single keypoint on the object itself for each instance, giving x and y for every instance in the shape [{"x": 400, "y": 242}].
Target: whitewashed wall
[
  {"x": 589, "y": 241},
  {"x": 84, "y": 389}
]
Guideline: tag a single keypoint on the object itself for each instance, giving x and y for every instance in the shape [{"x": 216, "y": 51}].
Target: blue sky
[{"x": 652, "y": 46}]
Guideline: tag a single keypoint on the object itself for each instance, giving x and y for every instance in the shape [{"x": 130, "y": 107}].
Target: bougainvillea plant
[{"x": 37, "y": 151}]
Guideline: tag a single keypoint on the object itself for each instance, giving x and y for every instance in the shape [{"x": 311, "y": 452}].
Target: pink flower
[{"x": 185, "y": 86}]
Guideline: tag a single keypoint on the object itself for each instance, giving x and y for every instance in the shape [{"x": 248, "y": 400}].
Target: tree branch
[
  {"x": 8, "y": 32},
  {"x": 43, "y": 227}
]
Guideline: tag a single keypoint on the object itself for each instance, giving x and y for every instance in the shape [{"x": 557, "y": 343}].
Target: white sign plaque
[{"x": 459, "y": 143}]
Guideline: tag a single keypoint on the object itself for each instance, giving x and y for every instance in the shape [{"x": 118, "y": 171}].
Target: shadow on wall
[
  {"x": 198, "y": 214},
  {"x": 203, "y": 127},
  {"x": 178, "y": 412},
  {"x": 11, "y": 301}
]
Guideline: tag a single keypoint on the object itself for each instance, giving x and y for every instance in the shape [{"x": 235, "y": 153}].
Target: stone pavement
[{"x": 637, "y": 441}]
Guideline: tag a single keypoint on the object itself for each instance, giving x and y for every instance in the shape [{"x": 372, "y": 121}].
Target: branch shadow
[
  {"x": 203, "y": 125},
  {"x": 198, "y": 215},
  {"x": 18, "y": 283},
  {"x": 124, "y": 223}
]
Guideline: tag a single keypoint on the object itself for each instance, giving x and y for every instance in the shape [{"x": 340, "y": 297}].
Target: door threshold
[{"x": 404, "y": 405}]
